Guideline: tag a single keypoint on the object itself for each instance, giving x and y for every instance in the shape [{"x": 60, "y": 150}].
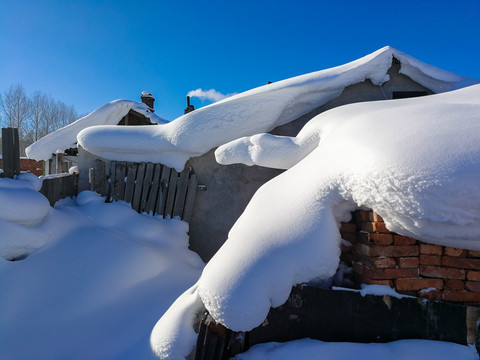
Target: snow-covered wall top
[
  {"x": 416, "y": 162},
  {"x": 257, "y": 110},
  {"x": 66, "y": 137}
]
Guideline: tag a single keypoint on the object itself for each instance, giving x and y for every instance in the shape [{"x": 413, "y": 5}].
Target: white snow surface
[
  {"x": 66, "y": 137},
  {"x": 397, "y": 350},
  {"x": 103, "y": 277},
  {"x": 414, "y": 161},
  {"x": 254, "y": 111}
]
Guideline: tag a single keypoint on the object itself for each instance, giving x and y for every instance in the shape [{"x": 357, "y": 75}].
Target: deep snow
[
  {"x": 101, "y": 277},
  {"x": 255, "y": 111},
  {"x": 414, "y": 161}
]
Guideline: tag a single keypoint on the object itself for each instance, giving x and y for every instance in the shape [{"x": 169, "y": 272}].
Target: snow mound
[
  {"x": 416, "y": 162},
  {"x": 66, "y": 137},
  {"x": 22, "y": 209},
  {"x": 397, "y": 350},
  {"x": 96, "y": 289},
  {"x": 254, "y": 111}
]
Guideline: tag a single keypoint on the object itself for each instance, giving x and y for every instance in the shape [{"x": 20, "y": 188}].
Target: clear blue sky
[{"x": 87, "y": 53}]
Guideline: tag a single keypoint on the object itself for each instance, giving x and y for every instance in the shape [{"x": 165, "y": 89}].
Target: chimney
[
  {"x": 148, "y": 99},
  {"x": 189, "y": 107}
]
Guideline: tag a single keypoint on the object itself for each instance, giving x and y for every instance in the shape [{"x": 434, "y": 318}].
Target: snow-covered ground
[
  {"x": 97, "y": 279},
  {"x": 398, "y": 350}
]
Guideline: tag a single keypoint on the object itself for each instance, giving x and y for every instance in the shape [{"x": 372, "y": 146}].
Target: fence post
[{"x": 10, "y": 152}]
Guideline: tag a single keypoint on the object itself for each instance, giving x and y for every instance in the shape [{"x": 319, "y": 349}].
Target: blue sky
[{"x": 87, "y": 53}]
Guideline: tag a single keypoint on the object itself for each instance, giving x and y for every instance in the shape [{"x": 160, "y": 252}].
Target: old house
[
  {"x": 58, "y": 150},
  {"x": 213, "y": 142}
]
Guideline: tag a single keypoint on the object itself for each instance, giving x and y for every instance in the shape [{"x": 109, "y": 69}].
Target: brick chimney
[{"x": 148, "y": 99}]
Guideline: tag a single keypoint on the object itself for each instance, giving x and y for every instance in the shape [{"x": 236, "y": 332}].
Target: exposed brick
[
  {"x": 387, "y": 251},
  {"x": 430, "y": 260},
  {"x": 450, "y": 251},
  {"x": 379, "y": 282},
  {"x": 380, "y": 227},
  {"x": 348, "y": 228},
  {"x": 461, "y": 263},
  {"x": 442, "y": 272},
  {"x": 473, "y": 253},
  {"x": 403, "y": 240},
  {"x": 374, "y": 273},
  {"x": 381, "y": 239},
  {"x": 461, "y": 296},
  {"x": 384, "y": 262},
  {"x": 405, "y": 250},
  {"x": 473, "y": 275},
  {"x": 374, "y": 226},
  {"x": 358, "y": 268},
  {"x": 400, "y": 273},
  {"x": 351, "y": 237},
  {"x": 418, "y": 284},
  {"x": 452, "y": 284},
  {"x": 408, "y": 262},
  {"x": 473, "y": 285},
  {"x": 374, "y": 250},
  {"x": 377, "y": 217},
  {"x": 431, "y": 295},
  {"x": 428, "y": 249},
  {"x": 364, "y": 215}
]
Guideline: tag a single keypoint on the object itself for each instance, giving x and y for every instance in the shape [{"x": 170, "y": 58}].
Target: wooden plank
[
  {"x": 10, "y": 152},
  {"x": 181, "y": 193},
  {"x": 111, "y": 180},
  {"x": 130, "y": 184},
  {"x": 137, "y": 193},
  {"x": 172, "y": 188},
  {"x": 100, "y": 184},
  {"x": 162, "y": 191},
  {"x": 152, "y": 197},
  {"x": 114, "y": 180},
  {"x": 190, "y": 198},
  {"x": 120, "y": 173},
  {"x": 147, "y": 185}
]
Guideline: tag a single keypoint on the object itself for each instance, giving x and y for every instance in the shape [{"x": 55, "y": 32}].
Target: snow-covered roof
[
  {"x": 66, "y": 137},
  {"x": 415, "y": 161},
  {"x": 257, "y": 110}
]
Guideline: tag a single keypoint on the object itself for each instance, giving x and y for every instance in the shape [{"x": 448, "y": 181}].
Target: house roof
[
  {"x": 66, "y": 137},
  {"x": 256, "y": 111}
]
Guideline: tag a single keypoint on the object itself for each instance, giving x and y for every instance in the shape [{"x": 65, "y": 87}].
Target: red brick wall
[
  {"x": 29, "y": 165},
  {"x": 379, "y": 256}
]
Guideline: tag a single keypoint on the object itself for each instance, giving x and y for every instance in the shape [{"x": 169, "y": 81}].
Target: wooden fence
[
  {"x": 150, "y": 188},
  {"x": 56, "y": 187}
]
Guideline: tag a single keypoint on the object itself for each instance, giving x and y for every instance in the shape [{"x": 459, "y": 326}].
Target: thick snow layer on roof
[
  {"x": 103, "y": 277},
  {"x": 66, "y": 137},
  {"x": 397, "y": 350},
  {"x": 416, "y": 162},
  {"x": 257, "y": 110}
]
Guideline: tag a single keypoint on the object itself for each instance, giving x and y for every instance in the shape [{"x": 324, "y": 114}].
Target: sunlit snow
[{"x": 99, "y": 279}]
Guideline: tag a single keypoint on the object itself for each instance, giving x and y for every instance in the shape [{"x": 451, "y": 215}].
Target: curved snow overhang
[
  {"x": 66, "y": 137},
  {"x": 257, "y": 111}
]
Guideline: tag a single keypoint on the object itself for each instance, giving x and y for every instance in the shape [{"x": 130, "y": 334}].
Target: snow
[
  {"x": 66, "y": 137},
  {"x": 416, "y": 162},
  {"x": 419, "y": 168},
  {"x": 377, "y": 290},
  {"x": 96, "y": 287},
  {"x": 397, "y": 350},
  {"x": 255, "y": 111}
]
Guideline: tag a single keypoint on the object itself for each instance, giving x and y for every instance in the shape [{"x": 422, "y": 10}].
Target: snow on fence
[{"x": 150, "y": 188}]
